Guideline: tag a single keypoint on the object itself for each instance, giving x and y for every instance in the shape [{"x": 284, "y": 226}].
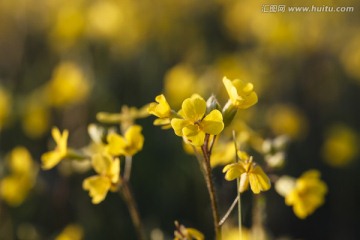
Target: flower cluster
[
  {"x": 105, "y": 157},
  {"x": 305, "y": 194}
]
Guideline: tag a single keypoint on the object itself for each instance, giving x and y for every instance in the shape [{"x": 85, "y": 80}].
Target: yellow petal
[
  {"x": 194, "y": 135},
  {"x": 259, "y": 181},
  {"x": 101, "y": 163},
  {"x": 195, "y": 234},
  {"x": 213, "y": 123},
  {"x": 231, "y": 90},
  {"x": 178, "y": 124},
  {"x": 98, "y": 187},
  {"x": 244, "y": 182},
  {"x": 194, "y": 108},
  {"x": 50, "y": 159},
  {"x": 116, "y": 144},
  {"x": 233, "y": 171},
  {"x": 160, "y": 109},
  {"x": 134, "y": 139}
]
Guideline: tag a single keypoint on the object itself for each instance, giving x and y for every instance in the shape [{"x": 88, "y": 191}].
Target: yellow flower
[
  {"x": 222, "y": 153},
  {"x": 36, "y": 118},
  {"x": 287, "y": 120},
  {"x": 248, "y": 171},
  {"x": 183, "y": 233},
  {"x": 307, "y": 195},
  {"x": 184, "y": 76},
  {"x": 68, "y": 85},
  {"x": 52, "y": 158},
  {"x": 129, "y": 145},
  {"x": 162, "y": 110},
  {"x": 108, "y": 170},
  {"x": 15, "y": 187},
  {"x": 195, "y": 124},
  {"x": 341, "y": 146},
  {"x": 126, "y": 117},
  {"x": 71, "y": 232},
  {"x": 242, "y": 95}
]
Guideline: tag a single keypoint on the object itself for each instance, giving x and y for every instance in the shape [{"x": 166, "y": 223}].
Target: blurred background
[{"x": 62, "y": 62}]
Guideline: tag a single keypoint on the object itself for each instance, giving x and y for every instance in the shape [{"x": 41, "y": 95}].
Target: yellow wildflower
[
  {"x": 108, "y": 171},
  {"x": 15, "y": 187},
  {"x": 71, "y": 232},
  {"x": 307, "y": 195},
  {"x": 242, "y": 95},
  {"x": 184, "y": 76},
  {"x": 248, "y": 171},
  {"x": 35, "y": 121},
  {"x": 68, "y": 85},
  {"x": 125, "y": 118},
  {"x": 162, "y": 110},
  {"x": 287, "y": 120},
  {"x": 222, "y": 153},
  {"x": 129, "y": 145},
  {"x": 341, "y": 146},
  {"x": 184, "y": 233},
  {"x": 195, "y": 124},
  {"x": 52, "y": 158}
]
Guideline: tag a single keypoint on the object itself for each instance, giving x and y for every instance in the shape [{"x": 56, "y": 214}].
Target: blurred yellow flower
[
  {"x": 71, "y": 232},
  {"x": 184, "y": 233},
  {"x": 248, "y": 171},
  {"x": 180, "y": 75},
  {"x": 242, "y": 95},
  {"x": 68, "y": 85},
  {"x": 233, "y": 233},
  {"x": 195, "y": 123},
  {"x": 15, "y": 187},
  {"x": 68, "y": 25},
  {"x": 36, "y": 119},
  {"x": 125, "y": 118},
  {"x": 107, "y": 178},
  {"x": 5, "y": 106},
  {"x": 287, "y": 120},
  {"x": 222, "y": 153},
  {"x": 52, "y": 158},
  {"x": 129, "y": 145},
  {"x": 340, "y": 146},
  {"x": 307, "y": 194},
  {"x": 350, "y": 57},
  {"x": 105, "y": 19},
  {"x": 162, "y": 110}
]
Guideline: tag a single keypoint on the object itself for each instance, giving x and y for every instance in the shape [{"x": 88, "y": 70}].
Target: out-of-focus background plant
[{"x": 62, "y": 62}]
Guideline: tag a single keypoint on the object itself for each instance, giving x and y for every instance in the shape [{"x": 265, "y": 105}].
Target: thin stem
[
  {"x": 231, "y": 208},
  {"x": 211, "y": 188},
  {"x": 133, "y": 210},
  {"x": 238, "y": 189},
  {"x": 127, "y": 171},
  {"x": 239, "y": 209}
]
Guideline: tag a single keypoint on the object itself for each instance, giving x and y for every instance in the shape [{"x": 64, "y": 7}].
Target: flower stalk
[
  {"x": 133, "y": 210},
  {"x": 210, "y": 185}
]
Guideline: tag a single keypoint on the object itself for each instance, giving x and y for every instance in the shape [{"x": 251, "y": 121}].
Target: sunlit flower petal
[
  {"x": 98, "y": 187},
  {"x": 52, "y": 158},
  {"x": 242, "y": 95},
  {"x": 213, "y": 123}
]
